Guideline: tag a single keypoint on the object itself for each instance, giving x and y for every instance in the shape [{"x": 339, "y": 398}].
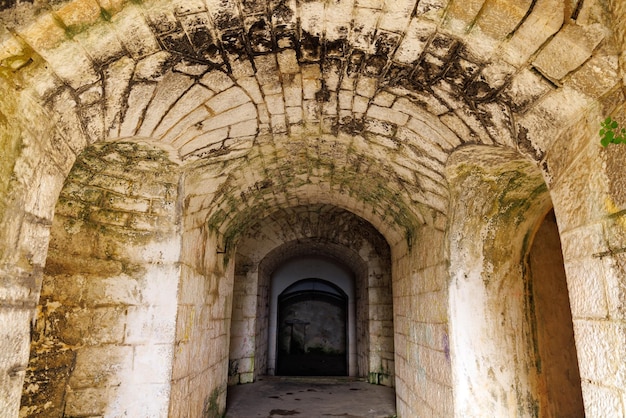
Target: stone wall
[
  {"x": 353, "y": 104},
  {"x": 205, "y": 295},
  {"x": 492, "y": 341},
  {"x": 586, "y": 187},
  {"x": 422, "y": 339},
  {"x": 105, "y": 321}
]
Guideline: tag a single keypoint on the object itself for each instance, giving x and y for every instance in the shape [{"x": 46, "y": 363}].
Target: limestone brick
[
  {"x": 601, "y": 401},
  {"x": 572, "y": 45},
  {"x": 415, "y": 40},
  {"x": 587, "y": 289},
  {"x": 138, "y": 99},
  {"x": 544, "y": 21},
  {"x": 275, "y": 105},
  {"x": 601, "y": 356},
  {"x": 195, "y": 96},
  {"x": 188, "y": 127},
  {"x": 134, "y": 32},
  {"x": 102, "y": 373},
  {"x": 501, "y": 19},
  {"x": 90, "y": 401},
  {"x": 388, "y": 115}
]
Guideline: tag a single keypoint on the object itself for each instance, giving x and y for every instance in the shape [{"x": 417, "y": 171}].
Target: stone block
[
  {"x": 288, "y": 62},
  {"x": 366, "y": 86},
  {"x": 279, "y": 123},
  {"x": 150, "y": 325},
  {"x": 228, "y": 99},
  {"x": 89, "y": 327},
  {"x": 570, "y": 48},
  {"x": 117, "y": 202},
  {"x": 101, "y": 366},
  {"x": 138, "y": 99},
  {"x": 152, "y": 364},
  {"x": 246, "y": 378},
  {"x": 202, "y": 142},
  {"x": 292, "y": 87},
  {"x": 437, "y": 366},
  {"x": 601, "y": 401},
  {"x": 116, "y": 290},
  {"x": 396, "y": 16},
  {"x": 251, "y": 86},
  {"x": 153, "y": 403},
  {"x": 135, "y": 32},
  {"x": 387, "y": 115},
  {"x": 368, "y": 20},
  {"x": 360, "y": 104},
  {"x": 242, "y": 113},
  {"x": 310, "y": 87},
  {"x": 601, "y": 351},
  {"x": 147, "y": 222},
  {"x": 190, "y": 100},
  {"x": 616, "y": 286},
  {"x": 79, "y": 13},
  {"x": 378, "y": 126},
  {"x": 275, "y": 104},
  {"x": 109, "y": 217},
  {"x": 586, "y": 288},
  {"x": 88, "y": 401},
  {"x": 571, "y": 210},
  {"x": 101, "y": 43}
]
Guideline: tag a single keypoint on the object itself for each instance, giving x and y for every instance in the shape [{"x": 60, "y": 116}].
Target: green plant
[{"x": 611, "y": 133}]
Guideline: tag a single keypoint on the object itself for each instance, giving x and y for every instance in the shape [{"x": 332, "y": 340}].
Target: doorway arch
[
  {"x": 295, "y": 276},
  {"x": 347, "y": 246},
  {"x": 312, "y": 329},
  {"x": 558, "y": 384},
  {"x": 502, "y": 289}
]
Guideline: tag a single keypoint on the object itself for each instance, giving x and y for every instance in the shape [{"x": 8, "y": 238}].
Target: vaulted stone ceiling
[{"x": 356, "y": 103}]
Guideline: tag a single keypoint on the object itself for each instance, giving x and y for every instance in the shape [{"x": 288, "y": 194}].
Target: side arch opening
[
  {"x": 106, "y": 317},
  {"x": 558, "y": 382},
  {"x": 512, "y": 341}
]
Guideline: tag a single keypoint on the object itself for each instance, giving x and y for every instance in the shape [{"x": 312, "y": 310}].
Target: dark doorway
[
  {"x": 558, "y": 385},
  {"x": 312, "y": 329}
]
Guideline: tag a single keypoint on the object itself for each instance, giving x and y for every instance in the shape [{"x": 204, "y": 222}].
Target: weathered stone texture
[
  {"x": 108, "y": 295},
  {"x": 275, "y": 105}
]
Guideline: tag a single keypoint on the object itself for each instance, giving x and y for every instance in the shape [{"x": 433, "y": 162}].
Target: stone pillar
[
  {"x": 498, "y": 198},
  {"x": 589, "y": 202}
]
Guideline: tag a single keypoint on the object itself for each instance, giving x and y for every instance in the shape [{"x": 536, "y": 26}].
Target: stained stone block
[
  {"x": 89, "y": 401},
  {"x": 571, "y": 47}
]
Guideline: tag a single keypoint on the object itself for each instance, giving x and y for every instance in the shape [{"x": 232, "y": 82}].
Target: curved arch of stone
[
  {"x": 492, "y": 304},
  {"x": 110, "y": 282},
  {"x": 333, "y": 233},
  {"x": 308, "y": 95}
]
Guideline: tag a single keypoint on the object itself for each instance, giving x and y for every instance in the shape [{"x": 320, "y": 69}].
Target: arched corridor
[{"x": 163, "y": 163}]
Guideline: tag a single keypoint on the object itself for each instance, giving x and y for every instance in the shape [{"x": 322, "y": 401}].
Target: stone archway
[
  {"x": 503, "y": 342},
  {"x": 105, "y": 321},
  {"x": 318, "y": 231},
  {"x": 274, "y": 104},
  {"x": 558, "y": 378},
  {"x": 311, "y": 330}
]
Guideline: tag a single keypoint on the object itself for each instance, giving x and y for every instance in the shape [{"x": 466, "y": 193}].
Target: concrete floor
[{"x": 310, "y": 397}]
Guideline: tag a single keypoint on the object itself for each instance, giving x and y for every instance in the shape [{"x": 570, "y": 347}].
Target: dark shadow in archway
[
  {"x": 558, "y": 377},
  {"x": 312, "y": 329}
]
